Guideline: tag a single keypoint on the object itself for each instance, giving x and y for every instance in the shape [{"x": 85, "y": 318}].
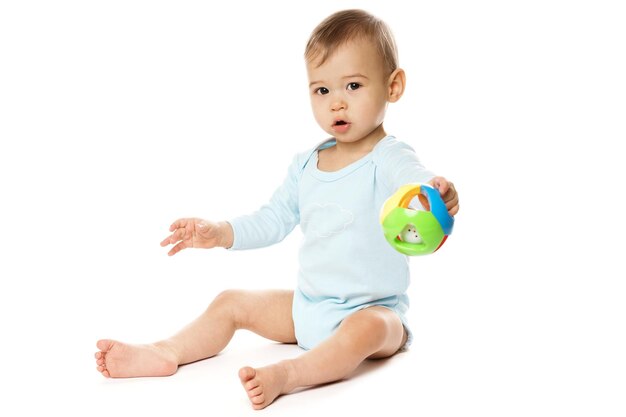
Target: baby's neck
[
  {"x": 362, "y": 146},
  {"x": 344, "y": 153}
]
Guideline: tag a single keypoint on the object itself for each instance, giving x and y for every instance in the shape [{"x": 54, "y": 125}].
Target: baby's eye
[
  {"x": 321, "y": 91},
  {"x": 353, "y": 86}
]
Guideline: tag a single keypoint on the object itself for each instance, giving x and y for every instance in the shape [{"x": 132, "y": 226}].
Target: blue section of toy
[{"x": 438, "y": 208}]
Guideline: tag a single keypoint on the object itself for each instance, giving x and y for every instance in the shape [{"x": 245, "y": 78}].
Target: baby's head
[
  {"x": 352, "y": 64},
  {"x": 342, "y": 27}
]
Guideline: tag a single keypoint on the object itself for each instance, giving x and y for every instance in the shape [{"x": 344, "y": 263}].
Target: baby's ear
[{"x": 397, "y": 81}]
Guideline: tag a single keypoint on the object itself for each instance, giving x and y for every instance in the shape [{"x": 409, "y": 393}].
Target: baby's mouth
[{"x": 341, "y": 126}]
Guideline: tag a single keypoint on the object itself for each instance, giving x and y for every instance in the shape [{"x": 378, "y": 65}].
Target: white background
[{"x": 118, "y": 117}]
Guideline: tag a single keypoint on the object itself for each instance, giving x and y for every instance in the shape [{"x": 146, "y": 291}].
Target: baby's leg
[
  {"x": 374, "y": 332},
  {"x": 267, "y": 313}
]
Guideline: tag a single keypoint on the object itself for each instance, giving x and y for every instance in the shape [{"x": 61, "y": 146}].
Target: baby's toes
[
  {"x": 259, "y": 399},
  {"x": 100, "y": 358},
  {"x": 246, "y": 374},
  {"x": 255, "y": 392},
  {"x": 103, "y": 370},
  {"x": 252, "y": 384}
]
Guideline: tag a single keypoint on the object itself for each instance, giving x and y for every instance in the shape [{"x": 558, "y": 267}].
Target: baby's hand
[
  {"x": 448, "y": 194},
  {"x": 198, "y": 233}
]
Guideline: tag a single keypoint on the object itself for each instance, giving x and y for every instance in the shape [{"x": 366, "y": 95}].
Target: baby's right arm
[
  {"x": 275, "y": 220},
  {"x": 198, "y": 233}
]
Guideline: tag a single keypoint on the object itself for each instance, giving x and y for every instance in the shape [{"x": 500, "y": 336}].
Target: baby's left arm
[{"x": 399, "y": 166}]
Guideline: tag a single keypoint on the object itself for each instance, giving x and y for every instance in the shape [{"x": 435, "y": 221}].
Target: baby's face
[{"x": 349, "y": 92}]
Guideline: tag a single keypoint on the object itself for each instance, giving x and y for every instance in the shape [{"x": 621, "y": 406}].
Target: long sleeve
[
  {"x": 276, "y": 219},
  {"x": 398, "y": 165}
]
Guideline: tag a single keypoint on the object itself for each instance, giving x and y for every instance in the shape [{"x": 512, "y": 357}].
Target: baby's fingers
[
  {"x": 166, "y": 241},
  {"x": 180, "y": 246},
  {"x": 179, "y": 224},
  {"x": 173, "y": 238},
  {"x": 179, "y": 234},
  {"x": 453, "y": 206},
  {"x": 452, "y": 202},
  {"x": 441, "y": 184}
]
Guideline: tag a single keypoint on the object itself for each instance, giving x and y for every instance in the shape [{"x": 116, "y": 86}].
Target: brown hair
[{"x": 344, "y": 26}]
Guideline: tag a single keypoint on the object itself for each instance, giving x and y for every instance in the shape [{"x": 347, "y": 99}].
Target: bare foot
[
  {"x": 119, "y": 360},
  {"x": 263, "y": 385}
]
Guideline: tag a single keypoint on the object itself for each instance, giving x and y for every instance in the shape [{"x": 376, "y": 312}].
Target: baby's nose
[{"x": 339, "y": 105}]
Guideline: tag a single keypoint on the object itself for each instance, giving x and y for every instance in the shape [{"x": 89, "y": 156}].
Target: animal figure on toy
[{"x": 411, "y": 231}]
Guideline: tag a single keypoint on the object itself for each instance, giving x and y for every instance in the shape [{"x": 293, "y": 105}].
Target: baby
[{"x": 350, "y": 301}]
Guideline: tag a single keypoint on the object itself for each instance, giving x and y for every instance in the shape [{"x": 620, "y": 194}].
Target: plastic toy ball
[{"x": 411, "y": 231}]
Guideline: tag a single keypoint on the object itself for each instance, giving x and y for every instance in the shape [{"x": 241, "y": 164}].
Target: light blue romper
[{"x": 345, "y": 262}]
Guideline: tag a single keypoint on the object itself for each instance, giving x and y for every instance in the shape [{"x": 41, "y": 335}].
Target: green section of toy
[{"x": 426, "y": 225}]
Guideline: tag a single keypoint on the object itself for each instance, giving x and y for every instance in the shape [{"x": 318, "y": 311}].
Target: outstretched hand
[
  {"x": 195, "y": 233},
  {"x": 448, "y": 194}
]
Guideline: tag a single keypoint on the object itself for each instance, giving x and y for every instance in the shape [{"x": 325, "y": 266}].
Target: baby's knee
[
  {"x": 367, "y": 323},
  {"x": 237, "y": 306},
  {"x": 226, "y": 297},
  {"x": 227, "y": 300}
]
